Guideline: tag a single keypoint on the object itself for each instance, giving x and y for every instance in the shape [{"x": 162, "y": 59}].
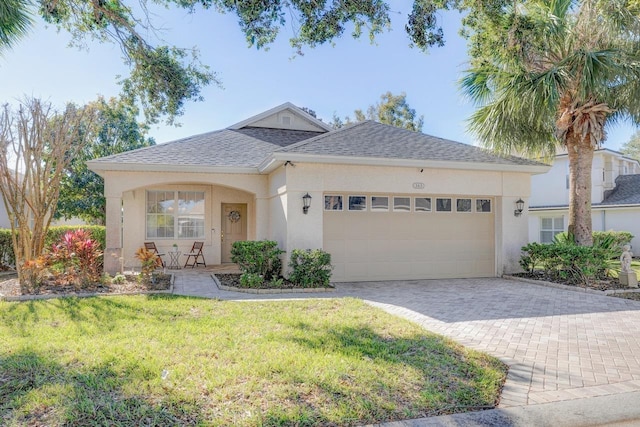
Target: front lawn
[{"x": 165, "y": 360}]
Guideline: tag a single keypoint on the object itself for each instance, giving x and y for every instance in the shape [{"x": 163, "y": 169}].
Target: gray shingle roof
[
  {"x": 377, "y": 140},
  {"x": 245, "y": 147},
  {"x": 626, "y": 191}
]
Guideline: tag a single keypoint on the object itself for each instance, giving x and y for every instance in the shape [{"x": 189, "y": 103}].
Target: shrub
[
  {"x": 310, "y": 268},
  {"x": 258, "y": 257},
  {"x": 611, "y": 241},
  {"x": 118, "y": 279},
  {"x": 7, "y": 258},
  {"x": 77, "y": 257},
  {"x": 251, "y": 280},
  {"x": 567, "y": 262},
  {"x": 149, "y": 261}
]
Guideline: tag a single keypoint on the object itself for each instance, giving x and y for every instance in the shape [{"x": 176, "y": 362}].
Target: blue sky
[{"x": 340, "y": 78}]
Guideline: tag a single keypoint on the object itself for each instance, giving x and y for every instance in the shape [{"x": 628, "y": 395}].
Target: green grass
[{"x": 100, "y": 361}]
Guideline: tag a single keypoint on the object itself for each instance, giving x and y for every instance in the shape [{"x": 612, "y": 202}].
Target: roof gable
[{"x": 285, "y": 116}]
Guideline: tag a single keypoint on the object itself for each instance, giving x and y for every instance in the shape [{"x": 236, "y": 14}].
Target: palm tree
[
  {"x": 15, "y": 21},
  {"x": 554, "y": 72}
]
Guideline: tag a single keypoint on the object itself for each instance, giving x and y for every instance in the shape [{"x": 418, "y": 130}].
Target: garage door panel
[{"x": 409, "y": 245}]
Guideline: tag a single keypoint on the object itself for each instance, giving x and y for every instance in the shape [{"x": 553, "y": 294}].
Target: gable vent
[{"x": 286, "y": 120}]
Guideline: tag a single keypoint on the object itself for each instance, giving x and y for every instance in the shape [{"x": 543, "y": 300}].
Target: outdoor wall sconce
[
  {"x": 306, "y": 202},
  {"x": 519, "y": 207}
]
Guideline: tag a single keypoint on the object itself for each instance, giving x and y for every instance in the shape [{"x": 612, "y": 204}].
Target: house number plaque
[{"x": 418, "y": 185}]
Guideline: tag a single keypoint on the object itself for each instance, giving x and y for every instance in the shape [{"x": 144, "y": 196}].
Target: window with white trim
[
  {"x": 422, "y": 204},
  {"x": 175, "y": 214},
  {"x": 402, "y": 204},
  {"x": 443, "y": 205},
  {"x": 357, "y": 203},
  {"x": 332, "y": 202},
  {"x": 483, "y": 205},
  {"x": 380, "y": 203},
  {"x": 463, "y": 205},
  {"x": 550, "y": 227}
]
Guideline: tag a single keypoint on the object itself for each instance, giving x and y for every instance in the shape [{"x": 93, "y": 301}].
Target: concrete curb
[
  {"x": 269, "y": 291},
  {"x": 619, "y": 409},
  {"x": 85, "y": 294}
]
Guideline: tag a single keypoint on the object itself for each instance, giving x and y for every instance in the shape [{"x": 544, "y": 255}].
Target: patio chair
[
  {"x": 196, "y": 254},
  {"x": 151, "y": 246}
]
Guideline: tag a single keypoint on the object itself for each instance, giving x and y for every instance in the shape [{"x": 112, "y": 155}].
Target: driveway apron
[{"x": 559, "y": 344}]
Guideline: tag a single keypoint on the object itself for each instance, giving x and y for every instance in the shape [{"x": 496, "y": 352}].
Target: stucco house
[
  {"x": 615, "y": 197},
  {"x": 387, "y": 203}
]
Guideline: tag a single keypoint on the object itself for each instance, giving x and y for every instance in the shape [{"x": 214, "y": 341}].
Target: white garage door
[{"x": 408, "y": 237}]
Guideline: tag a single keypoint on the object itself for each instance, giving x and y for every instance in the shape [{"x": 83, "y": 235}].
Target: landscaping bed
[
  {"x": 232, "y": 280},
  {"x": 10, "y": 286},
  {"x": 595, "y": 284}
]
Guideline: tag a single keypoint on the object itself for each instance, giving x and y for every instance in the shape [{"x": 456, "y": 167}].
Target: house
[
  {"x": 615, "y": 197},
  {"x": 385, "y": 202},
  {"x": 4, "y": 215}
]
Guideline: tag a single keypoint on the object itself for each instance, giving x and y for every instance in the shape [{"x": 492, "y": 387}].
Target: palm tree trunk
[{"x": 580, "y": 153}]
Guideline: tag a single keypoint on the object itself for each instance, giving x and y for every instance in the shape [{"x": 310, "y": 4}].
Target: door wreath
[{"x": 234, "y": 216}]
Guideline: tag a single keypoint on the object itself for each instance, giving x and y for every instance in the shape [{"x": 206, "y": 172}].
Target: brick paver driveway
[{"x": 559, "y": 344}]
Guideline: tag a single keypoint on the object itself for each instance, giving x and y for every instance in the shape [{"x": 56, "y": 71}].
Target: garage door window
[
  {"x": 379, "y": 203},
  {"x": 402, "y": 204},
  {"x": 550, "y": 227},
  {"x": 332, "y": 203},
  {"x": 422, "y": 204},
  {"x": 443, "y": 205},
  {"x": 357, "y": 203},
  {"x": 483, "y": 205},
  {"x": 463, "y": 205}
]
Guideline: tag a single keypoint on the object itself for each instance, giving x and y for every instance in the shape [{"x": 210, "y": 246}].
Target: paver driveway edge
[{"x": 516, "y": 388}]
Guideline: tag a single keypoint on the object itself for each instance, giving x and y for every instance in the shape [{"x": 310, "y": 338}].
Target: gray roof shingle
[
  {"x": 377, "y": 140},
  {"x": 626, "y": 191},
  {"x": 245, "y": 147},
  {"x": 248, "y": 147}
]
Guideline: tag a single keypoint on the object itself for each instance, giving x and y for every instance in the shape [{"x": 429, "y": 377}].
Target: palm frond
[{"x": 15, "y": 21}]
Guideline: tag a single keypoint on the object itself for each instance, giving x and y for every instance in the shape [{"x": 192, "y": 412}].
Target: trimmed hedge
[
  {"x": 54, "y": 235},
  {"x": 260, "y": 258}
]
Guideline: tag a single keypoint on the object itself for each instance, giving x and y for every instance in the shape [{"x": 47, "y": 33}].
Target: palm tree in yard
[
  {"x": 15, "y": 20},
  {"x": 555, "y": 72}
]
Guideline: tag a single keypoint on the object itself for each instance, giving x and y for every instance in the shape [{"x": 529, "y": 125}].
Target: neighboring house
[
  {"x": 615, "y": 194},
  {"x": 387, "y": 203},
  {"x": 4, "y": 216}
]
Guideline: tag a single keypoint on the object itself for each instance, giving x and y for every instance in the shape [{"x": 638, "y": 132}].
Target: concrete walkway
[{"x": 560, "y": 345}]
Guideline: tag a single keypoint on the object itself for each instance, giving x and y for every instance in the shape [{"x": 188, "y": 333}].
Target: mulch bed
[
  {"x": 10, "y": 287},
  {"x": 233, "y": 280},
  {"x": 598, "y": 285}
]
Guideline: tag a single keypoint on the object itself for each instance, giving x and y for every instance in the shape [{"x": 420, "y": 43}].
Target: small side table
[{"x": 174, "y": 260}]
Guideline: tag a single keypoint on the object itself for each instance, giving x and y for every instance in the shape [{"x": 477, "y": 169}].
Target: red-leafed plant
[{"x": 78, "y": 258}]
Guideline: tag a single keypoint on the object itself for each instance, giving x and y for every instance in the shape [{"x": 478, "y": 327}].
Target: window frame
[
  {"x": 450, "y": 204},
  {"x": 175, "y": 214},
  {"x": 373, "y": 209},
  {"x": 366, "y": 208},
  {"x": 341, "y": 202},
  {"x": 470, "y": 204},
  {"x": 490, "y": 205},
  {"x": 415, "y": 205},
  {"x": 553, "y": 230},
  {"x": 395, "y": 209}
]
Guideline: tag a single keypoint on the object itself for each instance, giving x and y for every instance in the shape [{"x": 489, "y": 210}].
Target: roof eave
[
  {"x": 593, "y": 207},
  {"x": 278, "y": 158},
  {"x": 99, "y": 167}
]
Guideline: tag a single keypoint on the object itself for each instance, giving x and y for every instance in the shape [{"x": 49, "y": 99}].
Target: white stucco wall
[
  {"x": 129, "y": 188},
  {"x": 306, "y": 231},
  {"x": 616, "y": 219}
]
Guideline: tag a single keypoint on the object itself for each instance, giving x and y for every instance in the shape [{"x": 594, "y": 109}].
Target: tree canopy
[
  {"x": 632, "y": 147},
  {"x": 550, "y": 72},
  {"x": 164, "y": 77},
  {"x": 109, "y": 127},
  {"x": 391, "y": 109}
]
